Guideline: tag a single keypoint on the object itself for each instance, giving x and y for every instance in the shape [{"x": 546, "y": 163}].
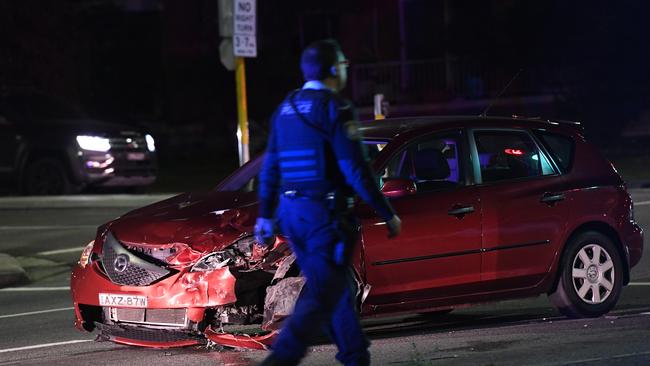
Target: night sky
[{"x": 156, "y": 63}]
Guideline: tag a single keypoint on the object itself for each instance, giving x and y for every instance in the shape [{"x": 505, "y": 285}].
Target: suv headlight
[
  {"x": 151, "y": 143},
  {"x": 84, "y": 260},
  {"x": 93, "y": 143}
]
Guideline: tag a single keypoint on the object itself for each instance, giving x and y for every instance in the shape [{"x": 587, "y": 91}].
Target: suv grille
[
  {"x": 125, "y": 268},
  {"x": 134, "y": 143}
]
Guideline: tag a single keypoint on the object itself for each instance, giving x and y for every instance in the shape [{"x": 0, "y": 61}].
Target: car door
[
  {"x": 437, "y": 254},
  {"x": 524, "y": 213}
]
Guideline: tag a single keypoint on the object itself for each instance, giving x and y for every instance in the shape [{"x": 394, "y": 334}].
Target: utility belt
[
  {"x": 309, "y": 195},
  {"x": 334, "y": 200}
]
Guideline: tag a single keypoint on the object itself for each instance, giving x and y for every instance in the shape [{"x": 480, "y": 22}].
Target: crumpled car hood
[{"x": 206, "y": 221}]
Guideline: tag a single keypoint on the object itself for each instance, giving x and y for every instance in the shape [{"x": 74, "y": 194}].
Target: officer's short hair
[{"x": 318, "y": 58}]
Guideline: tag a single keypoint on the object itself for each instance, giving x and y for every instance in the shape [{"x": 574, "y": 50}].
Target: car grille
[
  {"x": 156, "y": 317},
  {"x": 147, "y": 335},
  {"x": 125, "y": 268}
]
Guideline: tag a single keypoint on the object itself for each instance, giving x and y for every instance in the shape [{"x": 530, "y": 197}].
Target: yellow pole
[{"x": 242, "y": 110}]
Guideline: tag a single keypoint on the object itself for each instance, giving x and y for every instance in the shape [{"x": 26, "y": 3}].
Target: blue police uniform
[{"x": 314, "y": 163}]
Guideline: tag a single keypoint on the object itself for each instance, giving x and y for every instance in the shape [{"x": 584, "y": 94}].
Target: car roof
[{"x": 387, "y": 129}]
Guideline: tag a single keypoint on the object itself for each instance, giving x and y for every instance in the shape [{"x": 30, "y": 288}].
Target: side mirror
[{"x": 398, "y": 187}]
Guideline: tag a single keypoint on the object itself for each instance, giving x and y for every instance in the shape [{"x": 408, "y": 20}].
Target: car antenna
[{"x": 484, "y": 114}]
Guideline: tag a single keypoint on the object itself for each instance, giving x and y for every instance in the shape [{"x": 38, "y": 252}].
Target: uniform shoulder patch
[{"x": 352, "y": 130}]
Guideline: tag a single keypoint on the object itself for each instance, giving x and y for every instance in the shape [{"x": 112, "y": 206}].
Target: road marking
[
  {"x": 46, "y": 227},
  {"x": 44, "y": 345},
  {"x": 29, "y": 289},
  {"x": 642, "y": 203},
  {"x": 639, "y": 284},
  {"x": 35, "y": 312},
  {"x": 591, "y": 360},
  {"x": 61, "y": 251}
]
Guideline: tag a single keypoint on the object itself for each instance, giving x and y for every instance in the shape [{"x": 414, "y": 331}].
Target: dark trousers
[{"x": 322, "y": 245}]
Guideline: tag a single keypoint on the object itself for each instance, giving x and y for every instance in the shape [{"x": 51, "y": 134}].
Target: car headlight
[
  {"x": 215, "y": 260},
  {"x": 238, "y": 254},
  {"x": 93, "y": 143},
  {"x": 245, "y": 245},
  {"x": 85, "y": 254},
  {"x": 151, "y": 143}
]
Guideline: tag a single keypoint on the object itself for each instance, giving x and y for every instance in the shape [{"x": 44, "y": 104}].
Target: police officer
[{"x": 313, "y": 165}]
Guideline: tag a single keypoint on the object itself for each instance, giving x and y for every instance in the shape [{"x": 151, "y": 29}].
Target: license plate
[
  {"x": 135, "y": 156},
  {"x": 123, "y": 300}
]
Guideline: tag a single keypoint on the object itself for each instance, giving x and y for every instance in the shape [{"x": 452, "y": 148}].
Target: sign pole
[
  {"x": 242, "y": 111},
  {"x": 238, "y": 26}
]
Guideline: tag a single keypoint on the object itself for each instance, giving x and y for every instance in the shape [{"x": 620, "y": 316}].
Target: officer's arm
[
  {"x": 346, "y": 142},
  {"x": 269, "y": 176}
]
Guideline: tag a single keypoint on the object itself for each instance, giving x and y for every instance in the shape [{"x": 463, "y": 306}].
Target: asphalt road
[{"x": 36, "y": 319}]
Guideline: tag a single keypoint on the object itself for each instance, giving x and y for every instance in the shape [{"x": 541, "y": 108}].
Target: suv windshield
[{"x": 36, "y": 107}]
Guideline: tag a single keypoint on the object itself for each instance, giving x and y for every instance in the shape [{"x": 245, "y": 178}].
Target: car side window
[
  {"x": 432, "y": 163},
  {"x": 505, "y": 155}
]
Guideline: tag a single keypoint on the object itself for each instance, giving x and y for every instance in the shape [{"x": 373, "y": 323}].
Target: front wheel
[
  {"x": 46, "y": 176},
  {"x": 591, "y": 277}
]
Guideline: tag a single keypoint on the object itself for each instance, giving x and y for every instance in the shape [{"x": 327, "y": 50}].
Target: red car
[{"x": 492, "y": 209}]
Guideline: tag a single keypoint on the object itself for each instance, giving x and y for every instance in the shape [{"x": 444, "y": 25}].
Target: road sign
[
  {"x": 225, "y": 18},
  {"x": 244, "y": 38}
]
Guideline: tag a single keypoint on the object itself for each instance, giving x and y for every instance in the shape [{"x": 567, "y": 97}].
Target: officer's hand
[
  {"x": 264, "y": 231},
  {"x": 394, "y": 226}
]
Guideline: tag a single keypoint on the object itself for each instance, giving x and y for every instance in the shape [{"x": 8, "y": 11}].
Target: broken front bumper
[{"x": 195, "y": 292}]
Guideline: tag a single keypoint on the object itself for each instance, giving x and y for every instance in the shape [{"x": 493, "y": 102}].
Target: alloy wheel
[{"x": 593, "y": 274}]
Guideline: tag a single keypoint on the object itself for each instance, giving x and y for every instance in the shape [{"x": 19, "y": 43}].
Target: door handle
[
  {"x": 552, "y": 198},
  {"x": 460, "y": 211}
]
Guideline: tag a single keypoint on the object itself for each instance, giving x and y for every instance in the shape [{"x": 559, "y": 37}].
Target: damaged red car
[{"x": 492, "y": 209}]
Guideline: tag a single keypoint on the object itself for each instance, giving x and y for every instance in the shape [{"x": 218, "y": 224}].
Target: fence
[{"x": 438, "y": 80}]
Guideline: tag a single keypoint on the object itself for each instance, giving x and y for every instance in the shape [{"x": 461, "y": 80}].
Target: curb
[
  {"x": 82, "y": 201},
  {"x": 11, "y": 272}
]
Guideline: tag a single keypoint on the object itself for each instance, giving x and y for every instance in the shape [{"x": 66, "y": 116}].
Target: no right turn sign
[{"x": 244, "y": 22}]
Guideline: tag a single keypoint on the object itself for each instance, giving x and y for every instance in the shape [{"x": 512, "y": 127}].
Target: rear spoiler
[{"x": 565, "y": 123}]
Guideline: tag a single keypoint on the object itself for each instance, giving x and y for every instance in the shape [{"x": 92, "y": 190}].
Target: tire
[
  {"x": 594, "y": 288},
  {"x": 46, "y": 176}
]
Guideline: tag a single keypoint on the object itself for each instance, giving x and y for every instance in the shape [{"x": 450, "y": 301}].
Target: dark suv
[{"x": 48, "y": 147}]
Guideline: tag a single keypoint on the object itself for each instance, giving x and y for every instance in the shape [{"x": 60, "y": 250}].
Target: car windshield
[{"x": 245, "y": 179}]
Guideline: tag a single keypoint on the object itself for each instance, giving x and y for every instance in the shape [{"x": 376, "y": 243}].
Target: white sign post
[{"x": 244, "y": 38}]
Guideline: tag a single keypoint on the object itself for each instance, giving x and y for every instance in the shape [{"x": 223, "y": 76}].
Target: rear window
[{"x": 560, "y": 147}]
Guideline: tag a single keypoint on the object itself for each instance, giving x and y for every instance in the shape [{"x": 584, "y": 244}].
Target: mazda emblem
[{"x": 121, "y": 262}]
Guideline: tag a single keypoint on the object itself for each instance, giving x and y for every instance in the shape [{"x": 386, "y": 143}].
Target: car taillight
[{"x": 85, "y": 254}]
